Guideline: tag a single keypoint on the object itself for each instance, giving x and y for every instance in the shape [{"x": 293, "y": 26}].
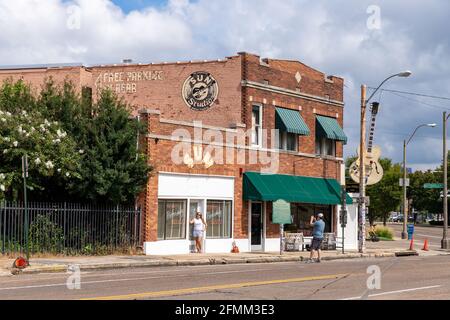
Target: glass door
[
  {"x": 257, "y": 225},
  {"x": 194, "y": 207}
]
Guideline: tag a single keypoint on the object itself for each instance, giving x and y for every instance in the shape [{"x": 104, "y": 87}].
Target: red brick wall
[
  {"x": 164, "y": 92},
  {"x": 160, "y": 151},
  {"x": 234, "y": 105},
  {"x": 37, "y": 77}
]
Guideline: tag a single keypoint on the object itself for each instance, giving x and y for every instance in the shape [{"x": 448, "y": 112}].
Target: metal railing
[{"x": 69, "y": 228}]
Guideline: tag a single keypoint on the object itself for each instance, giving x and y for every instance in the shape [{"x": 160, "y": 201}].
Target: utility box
[{"x": 410, "y": 231}]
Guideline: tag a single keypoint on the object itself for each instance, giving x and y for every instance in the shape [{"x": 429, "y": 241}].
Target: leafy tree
[
  {"x": 79, "y": 150},
  {"x": 425, "y": 200},
  {"x": 112, "y": 167},
  {"x": 385, "y": 196}
]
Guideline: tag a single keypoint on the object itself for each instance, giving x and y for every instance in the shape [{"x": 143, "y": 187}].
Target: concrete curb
[{"x": 205, "y": 261}]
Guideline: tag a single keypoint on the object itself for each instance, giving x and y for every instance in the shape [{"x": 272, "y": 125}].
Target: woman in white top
[{"x": 199, "y": 227}]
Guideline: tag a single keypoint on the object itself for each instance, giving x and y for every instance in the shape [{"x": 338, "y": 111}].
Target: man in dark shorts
[{"x": 318, "y": 227}]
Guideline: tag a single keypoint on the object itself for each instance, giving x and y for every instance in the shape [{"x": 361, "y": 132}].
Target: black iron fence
[{"x": 68, "y": 228}]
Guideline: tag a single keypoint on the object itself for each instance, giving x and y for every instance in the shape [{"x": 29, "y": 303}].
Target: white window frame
[
  {"x": 231, "y": 216},
  {"x": 186, "y": 216},
  {"x": 259, "y": 129},
  {"x": 322, "y": 146},
  {"x": 283, "y": 139}
]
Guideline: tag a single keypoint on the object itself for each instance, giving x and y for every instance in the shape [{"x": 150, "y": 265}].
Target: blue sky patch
[{"x": 130, "y": 5}]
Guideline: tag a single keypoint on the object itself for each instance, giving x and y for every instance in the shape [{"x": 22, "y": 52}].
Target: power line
[
  {"x": 421, "y": 102},
  {"x": 414, "y": 94}
]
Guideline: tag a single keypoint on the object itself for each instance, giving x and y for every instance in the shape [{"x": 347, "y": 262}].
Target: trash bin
[{"x": 410, "y": 231}]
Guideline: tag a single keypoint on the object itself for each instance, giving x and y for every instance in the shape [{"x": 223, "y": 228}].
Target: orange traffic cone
[
  {"x": 411, "y": 243},
  {"x": 425, "y": 245}
]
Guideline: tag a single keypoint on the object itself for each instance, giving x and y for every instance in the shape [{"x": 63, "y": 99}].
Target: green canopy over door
[{"x": 273, "y": 187}]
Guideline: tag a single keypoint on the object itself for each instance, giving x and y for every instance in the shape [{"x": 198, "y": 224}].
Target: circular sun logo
[{"x": 200, "y": 90}]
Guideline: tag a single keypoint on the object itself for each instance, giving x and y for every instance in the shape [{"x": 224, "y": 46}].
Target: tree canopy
[
  {"x": 78, "y": 149},
  {"x": 386, "y": 196}
]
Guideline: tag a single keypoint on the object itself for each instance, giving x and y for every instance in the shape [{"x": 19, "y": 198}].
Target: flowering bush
[
  {"x": 24, "y": 130},
  {"x": 78, "y": 150}
]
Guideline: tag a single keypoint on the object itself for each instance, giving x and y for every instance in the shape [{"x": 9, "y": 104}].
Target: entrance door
[
  {"x": 194, "y": 207},
  {"x": 256, "y": 235}
]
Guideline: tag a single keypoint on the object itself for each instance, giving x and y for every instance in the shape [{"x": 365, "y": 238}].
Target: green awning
[
  {"x": 290, "y": 121},
  {"x": 272, "y": 187},
  {"x": 329, "y": 128}
]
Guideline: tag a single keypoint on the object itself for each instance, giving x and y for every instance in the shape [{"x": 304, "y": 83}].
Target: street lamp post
[
  {"x": 445, "y": 243},
  {"x": 405, "y": 205},
  {"x": 362, "y": 176}
]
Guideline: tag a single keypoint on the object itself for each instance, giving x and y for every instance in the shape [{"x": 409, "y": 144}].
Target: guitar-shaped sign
[{"x": 374, "y": 170}]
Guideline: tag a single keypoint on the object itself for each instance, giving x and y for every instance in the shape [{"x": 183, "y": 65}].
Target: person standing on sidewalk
[
  {"x": 199, "y": 228},
  {"x": 318, "y": 227}
]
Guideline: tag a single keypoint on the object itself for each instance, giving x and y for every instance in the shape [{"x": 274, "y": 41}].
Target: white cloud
[{"x": 331, "y": 36}]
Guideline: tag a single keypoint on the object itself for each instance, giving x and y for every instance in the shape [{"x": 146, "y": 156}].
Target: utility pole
[
  {"x": 343, "y": 214},
  {"x": 405, "y": 205},
  {"x": 362, "y": 153},
  {"x": 362, "y": 176},
  {"x": 445, "y": 244},
  {"x": 25, "y": 202}
]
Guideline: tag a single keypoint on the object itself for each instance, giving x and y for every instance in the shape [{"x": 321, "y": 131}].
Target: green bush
[
  {"x": 384, "y": 232},
  {"x": 45, "y": 235}
]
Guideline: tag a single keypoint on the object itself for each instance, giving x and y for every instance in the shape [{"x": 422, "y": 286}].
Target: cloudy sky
[{"x": 362, "y": 41}]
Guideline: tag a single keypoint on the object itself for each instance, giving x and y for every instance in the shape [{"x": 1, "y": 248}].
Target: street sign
[
  {"x": 442, "y": 194},
  {"x": 400, "y": 182},
  {"x": 352, "y": 187},
  {"x": 25, "y": 166},
  {"x": 408, "y": 170},
  {"x": 433, "y": 186},
  {"x": 343, "y": 218},
  {"x": 281, "y": 212}
]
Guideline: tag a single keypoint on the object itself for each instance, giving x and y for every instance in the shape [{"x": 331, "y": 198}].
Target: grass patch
[{"x": 384, "y": 233}]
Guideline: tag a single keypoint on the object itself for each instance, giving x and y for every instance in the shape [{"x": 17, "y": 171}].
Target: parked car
[{"x": 397, "y": 218}]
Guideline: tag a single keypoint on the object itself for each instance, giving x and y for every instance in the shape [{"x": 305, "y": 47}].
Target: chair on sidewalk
[{"x": 293, "y": 242}]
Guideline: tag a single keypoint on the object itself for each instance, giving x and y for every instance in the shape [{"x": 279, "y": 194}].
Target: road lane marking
[
  {"x": 427, "y": 236},
  {"x": 174, "y": 292},
  {"x": 85, "y": 274},
  {"x": 127, "y": 279},
  {"x": 393, "y": 292}
]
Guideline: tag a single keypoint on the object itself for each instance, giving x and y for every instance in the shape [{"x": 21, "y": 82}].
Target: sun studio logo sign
[{"x": 200, "y": 90}]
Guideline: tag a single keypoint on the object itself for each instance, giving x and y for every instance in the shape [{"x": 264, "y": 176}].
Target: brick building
[{"x": 227, "y": 138}]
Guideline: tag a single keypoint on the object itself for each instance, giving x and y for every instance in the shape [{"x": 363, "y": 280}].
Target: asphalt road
[
  {"x": 433, "y": 234},
  {"x": 401, "y": 278}
]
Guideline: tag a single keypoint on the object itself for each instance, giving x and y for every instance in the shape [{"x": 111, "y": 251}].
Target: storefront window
[
  {"x": 171, "y": 219},
  {"x": 218, "y": 218},
  {"x": 301, "y": 215}
]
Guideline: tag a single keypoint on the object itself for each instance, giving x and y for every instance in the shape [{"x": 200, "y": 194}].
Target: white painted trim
[
  {"x": 237, "y": 146},
  {"x": 288, "y": 92},
  {"x": 196, "y": 174},
  {"x": 263, "y": 231},
  {"x": 264, "y": 237},
  {"x": 260, "y": 130},
  {"x": 198, "y": 124},
  {"x": 149, "y": 111}
]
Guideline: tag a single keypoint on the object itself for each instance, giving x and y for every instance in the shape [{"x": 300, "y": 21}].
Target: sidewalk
[{"x": 60, "y": 264}]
